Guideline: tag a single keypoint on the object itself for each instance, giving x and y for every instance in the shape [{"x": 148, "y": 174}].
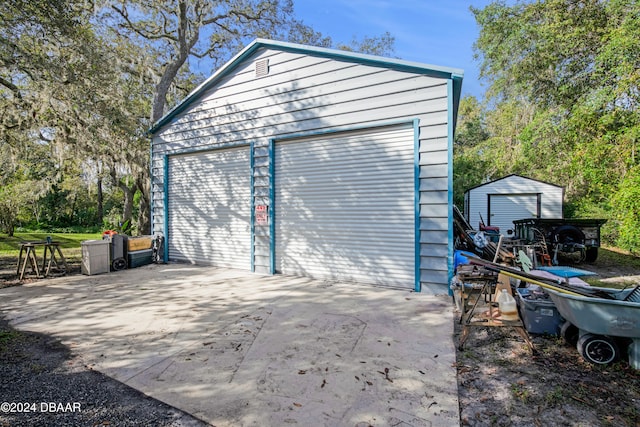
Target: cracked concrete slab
[{"x": 239, "y": 349}]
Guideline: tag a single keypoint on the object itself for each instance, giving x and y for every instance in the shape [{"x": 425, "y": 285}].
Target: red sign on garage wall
[{"x": 261, "y": 215}]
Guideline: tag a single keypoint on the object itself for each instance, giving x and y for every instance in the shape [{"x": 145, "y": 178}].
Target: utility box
[{"x": 95, "y": 257}]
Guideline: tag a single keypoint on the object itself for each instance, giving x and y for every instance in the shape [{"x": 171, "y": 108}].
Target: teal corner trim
[
  {"x": 451, "y": 117},
  {"x": 272, "y": 208},
  {"x": 151, "y": 185},
  {"x": 253, "y": 203},
  {"x": 416, "y": 188},
  {"x": 165, "y": 188}
]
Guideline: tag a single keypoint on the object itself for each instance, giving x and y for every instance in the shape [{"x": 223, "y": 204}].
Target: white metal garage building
[
  {"x": 313, "y": 162},
  {"x": 498, "y": 203}
]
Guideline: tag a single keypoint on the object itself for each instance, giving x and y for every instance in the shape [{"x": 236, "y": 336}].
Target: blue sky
[{"x": 433, "y": 32}]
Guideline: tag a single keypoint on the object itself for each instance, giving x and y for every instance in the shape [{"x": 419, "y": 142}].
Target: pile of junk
[{"x": 495, "y": 275}]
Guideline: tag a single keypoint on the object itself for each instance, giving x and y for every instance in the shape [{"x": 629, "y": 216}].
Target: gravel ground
[{"x": 44, "y": 384}]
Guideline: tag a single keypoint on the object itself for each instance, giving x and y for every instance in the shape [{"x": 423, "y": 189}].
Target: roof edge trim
[{"x": 399, "y": 64}]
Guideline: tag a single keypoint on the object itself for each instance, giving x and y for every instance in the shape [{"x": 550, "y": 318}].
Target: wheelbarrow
[{"x": 601, "y": 327}]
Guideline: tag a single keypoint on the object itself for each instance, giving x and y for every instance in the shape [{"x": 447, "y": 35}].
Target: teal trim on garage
[
  {"x": 416, "y": 189},
  {"x": 272, "y": 208},
  {"x": 253, "y": 204},
  {"x": 165, "y": 187},
  {"x": 151, "y": 187}
]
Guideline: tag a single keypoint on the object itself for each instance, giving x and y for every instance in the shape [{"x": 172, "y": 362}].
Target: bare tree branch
[{"x": 13, "y": 88}]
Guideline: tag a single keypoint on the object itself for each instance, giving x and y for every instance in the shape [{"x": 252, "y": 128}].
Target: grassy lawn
[
  {"x": 618, "y": 258},
  {"x": 613, "y": 262},
  {"x": 69, "y": 243}
]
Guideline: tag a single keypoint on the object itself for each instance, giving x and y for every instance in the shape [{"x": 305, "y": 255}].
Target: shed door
[
  {"x": 506, "y": 208},
  {"x": 344, "y": 207},
  {"x": 209, "y": 208}
]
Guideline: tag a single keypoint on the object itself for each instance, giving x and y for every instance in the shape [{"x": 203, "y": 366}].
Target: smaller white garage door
[
  {"x": 506, "y": 208},
  {"x": 345, "y": 207},
  {"x": 209, "y": 208}
]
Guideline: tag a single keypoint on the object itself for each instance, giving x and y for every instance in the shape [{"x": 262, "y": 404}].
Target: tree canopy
[
  {"x": 562, "y": 104},
  {"x": 81, "y": 82}
]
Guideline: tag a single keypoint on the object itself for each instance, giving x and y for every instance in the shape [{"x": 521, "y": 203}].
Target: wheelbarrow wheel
[
  {"x": 598, "y": 349},
  {"x": 570, "y": 333}
]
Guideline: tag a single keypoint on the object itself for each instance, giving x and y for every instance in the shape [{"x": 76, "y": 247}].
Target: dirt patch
[
  {"x": 500, "y": 383},
  {"x": 9, "y": 271}
]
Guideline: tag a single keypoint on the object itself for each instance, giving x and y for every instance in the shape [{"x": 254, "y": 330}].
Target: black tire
[
  {"x": 119, "y": 264},
  {"x": 598, "y": 349},
  {"x": 592, "y": 255},
  {"x": 567, "y": 234},
  {"x": 570, "y": 333}
]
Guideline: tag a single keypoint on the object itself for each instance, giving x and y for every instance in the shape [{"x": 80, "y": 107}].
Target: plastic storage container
[
  {"x": 140, "y": 258},
  {"x": 118, "y": 251},
  {"x": 539, "y": 315},
  {"x": 95, "y": 257},
  {"x": 139, "y": 243}
]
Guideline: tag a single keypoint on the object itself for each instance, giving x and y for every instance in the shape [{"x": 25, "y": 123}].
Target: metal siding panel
[
  {"x": 320, "y": 78},
  {"x": 552, "y": 203},
  {"x": 434, "y": 277},
  {"x": 248, "y": 119},
  {"x": 434, "y": 250},
  {"x": 345, "y": 206},
  {"x": 209, "y": 208}
]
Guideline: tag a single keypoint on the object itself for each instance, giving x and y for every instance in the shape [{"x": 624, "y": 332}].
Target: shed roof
[
  {"x": 510, "y": 176},
  {"x": 454, "y": 74}
]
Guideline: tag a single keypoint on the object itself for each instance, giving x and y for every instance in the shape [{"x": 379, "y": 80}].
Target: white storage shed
[
  {"x": 498, "y": 203},
  {"x": 313, "y": 162}
]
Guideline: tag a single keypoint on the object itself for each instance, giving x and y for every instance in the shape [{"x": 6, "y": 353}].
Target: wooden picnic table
[{"x": 51, "y": 257}]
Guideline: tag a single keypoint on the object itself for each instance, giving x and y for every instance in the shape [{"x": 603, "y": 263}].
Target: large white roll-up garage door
[
  {"x": 345, "y": 206},
  {"x": 209, "y": 208}
]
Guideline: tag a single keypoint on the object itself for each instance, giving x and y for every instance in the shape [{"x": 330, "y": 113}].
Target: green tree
[
  {"x": 469, "y": 161},
  {"x": 177, "y": 31},
  {"x": 80, "y": 83},
  {"x": 72, "y": 87},
  {"x": 571, "y": 66},
  {"x": 21, "y": 183},
  {"x": 626, "y": 212}
]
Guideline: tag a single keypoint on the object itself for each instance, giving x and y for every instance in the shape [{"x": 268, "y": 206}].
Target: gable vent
[{"x": 262, "y": 67}]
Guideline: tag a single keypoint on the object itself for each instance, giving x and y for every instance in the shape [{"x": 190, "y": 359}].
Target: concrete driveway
[{"x": 238, "y": 349}]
